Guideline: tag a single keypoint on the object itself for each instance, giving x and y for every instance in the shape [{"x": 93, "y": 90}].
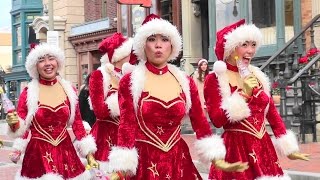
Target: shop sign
[{"x": 144, "y": 3}]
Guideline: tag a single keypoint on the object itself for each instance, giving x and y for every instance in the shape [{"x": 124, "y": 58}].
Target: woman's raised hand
[{"x": 249, "y": 83}]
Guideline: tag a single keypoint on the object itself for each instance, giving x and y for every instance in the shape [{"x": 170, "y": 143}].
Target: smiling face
[
  {"x": 47, "y": 67},
  {"x": 245, "y": 52},
  {"x": 158, "y": 49},
  {"x": 203, "y": 66}
]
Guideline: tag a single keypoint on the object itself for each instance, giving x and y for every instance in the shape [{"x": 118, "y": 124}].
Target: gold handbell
[{"x": 236, "y": 58}]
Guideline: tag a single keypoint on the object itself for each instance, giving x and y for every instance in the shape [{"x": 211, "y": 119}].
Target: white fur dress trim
[
  {"x": 113, "y": 105},
  {"x": 210, "y": 148},
  {"x": 123, "y": 159},
  {"x": 282, "y": 177},
  {"x": 86, "y": 175},
  {"x": 86, "y": 145},
  {"x": 286, "y": 144},
  {"x": 20, "y": 144}
]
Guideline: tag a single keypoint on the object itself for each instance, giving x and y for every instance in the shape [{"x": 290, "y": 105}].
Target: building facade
[
  {"x": 5, "y": 52},
  {"x": 23, "y": 12}
]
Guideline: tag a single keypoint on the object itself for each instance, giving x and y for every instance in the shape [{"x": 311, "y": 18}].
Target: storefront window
[
  {"x": 153, "y": 9},
  {"x": 84, "y": 62},
  {"x": 166, "y": 10},
  {"x": 289, "y": 19},
  {"x": 32, "y": 16},
  {"x": 18, "y": 35},
  {"x": 263, "y": 16},
  {"x": 124, "y": 20},
  {"x": 17, "y": 19},
  {"x": 227, "y": 12},
  {"x": 138, "y": 15},
  {"x": 18, "y": 57}
]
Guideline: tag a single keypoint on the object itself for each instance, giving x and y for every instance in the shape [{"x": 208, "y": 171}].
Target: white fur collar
[
  {"x": 138, "y": 80},
  {"x": 235, "y": 106},
  {"x": 106, "y": 79},
  {"x": 33, "y": 99}
]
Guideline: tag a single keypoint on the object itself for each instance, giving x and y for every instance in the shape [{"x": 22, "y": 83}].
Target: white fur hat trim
[
  {"x": 40, "y": 51},
  {"x": 157, "y": 26}
]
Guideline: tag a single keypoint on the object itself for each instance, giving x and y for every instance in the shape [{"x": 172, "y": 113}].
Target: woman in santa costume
[
  {"x": 153, "y": 101},
  {"x": 50, "y": 153},
  {"x": 240, "y": 102},
  {"x": 103, "y": 91}
]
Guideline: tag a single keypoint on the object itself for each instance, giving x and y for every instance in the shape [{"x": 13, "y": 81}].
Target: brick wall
[
  {"x": 93, "y": 10},
  {"x": 112, "y": 12},
  {"x": 306, "y": 16}
]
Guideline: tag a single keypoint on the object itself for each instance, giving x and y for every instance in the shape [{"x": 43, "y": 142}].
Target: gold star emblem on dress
[
  {"x": 66, "y": 167},
  {"x": 254, "y": 156},
  {"x": 72, "y": 168},
  {"x": 160, "y": 130},
  {"x": 168, "y": 176},
  {"x": 153, "y": 169},
  {"x": 54, "y": 168},
  {"x": 183, "y": 156},
  {"x": 51, "y": 129},
  {"x": 277, "y": 163},
  {"x": 171, "y": 122},
  {"x": 48, "y": 157},
  {"x": 255, "y": 121},
  {"x": 109, "y": 141}
]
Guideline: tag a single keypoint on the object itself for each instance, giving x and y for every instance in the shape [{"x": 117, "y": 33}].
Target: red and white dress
[
  {"x": 149, "y": 141},
  {"x": 104, "y": 102},
  {"x": 244, "y": 124},
  {"x": 50, "y": 153}
]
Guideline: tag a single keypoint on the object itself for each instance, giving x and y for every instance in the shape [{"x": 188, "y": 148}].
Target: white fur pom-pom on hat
[
  {"x": 127, "y": 68},
  {"x": 219, "y": 67},
  {"x": 40, "y": 51}
]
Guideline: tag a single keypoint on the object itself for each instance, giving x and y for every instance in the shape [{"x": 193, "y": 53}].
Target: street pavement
[{"x": 298, "y": 170}]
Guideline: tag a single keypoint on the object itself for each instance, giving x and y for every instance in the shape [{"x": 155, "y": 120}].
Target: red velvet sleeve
[
  {"x": 198, "y": 120},
  {"x": 213, "y": 100},
  {"x": 128, "y": 123},
  {"x": 77, "y": 126},
  {"x": 275, "y": 120},
  {"x": 85, "y": 143},
  {"x": 96, "y": 93},
  {"x": 22, "y": 109}
]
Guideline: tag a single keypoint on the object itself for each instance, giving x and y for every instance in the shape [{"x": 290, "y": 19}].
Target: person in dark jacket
[{"x": 85, "y": 109}]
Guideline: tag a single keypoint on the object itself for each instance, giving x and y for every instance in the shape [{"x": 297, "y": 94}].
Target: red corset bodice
[
  {"x": 255, "y": 123},
  {"x": 159, "y": 121},
  {"x": 50, "y": 123}
]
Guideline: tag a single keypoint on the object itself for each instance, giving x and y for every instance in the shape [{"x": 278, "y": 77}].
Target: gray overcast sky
[{"x": 5, "y": 17}]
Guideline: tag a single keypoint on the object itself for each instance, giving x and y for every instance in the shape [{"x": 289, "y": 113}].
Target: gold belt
[
  {"x": 251, "y": 129},
  {"x": 157, "y": 142}
]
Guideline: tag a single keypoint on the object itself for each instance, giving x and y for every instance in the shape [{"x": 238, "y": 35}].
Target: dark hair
[
  {"x": 86, "y": 82},
  {"x": 202, "y": 74}
]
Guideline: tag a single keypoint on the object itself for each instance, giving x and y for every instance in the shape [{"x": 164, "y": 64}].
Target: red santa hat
[
  {"x": 115, "y": 48},
  {"x": 39, "y": 51},
  {"x": 152, "y": 25},
  {"x": 201, "y": 61},
  {"x": 234, "y": 35}
]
